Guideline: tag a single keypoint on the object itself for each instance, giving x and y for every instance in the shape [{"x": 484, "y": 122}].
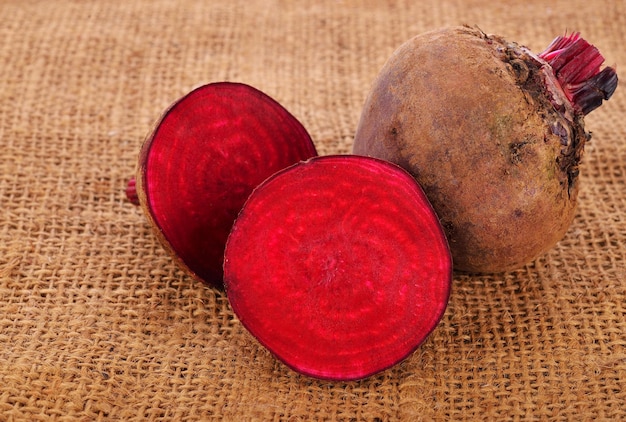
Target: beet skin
[{"x": 491, "y": 134}]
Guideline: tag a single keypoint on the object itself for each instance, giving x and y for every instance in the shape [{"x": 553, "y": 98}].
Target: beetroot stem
[
  {"x": 131, "y": 191},
  {"x": 576, "y": 65}
]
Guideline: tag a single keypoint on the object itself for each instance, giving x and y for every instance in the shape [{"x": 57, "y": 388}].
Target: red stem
[
  {"x": 131, "y": 191},
  {"x": 576, "y": 65}
]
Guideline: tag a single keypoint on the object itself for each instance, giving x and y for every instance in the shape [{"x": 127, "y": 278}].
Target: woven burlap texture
[{"x": 98, "y": 322}]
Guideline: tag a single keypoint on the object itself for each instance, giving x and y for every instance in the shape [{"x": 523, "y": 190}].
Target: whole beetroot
[{"x": 493, "y": 133}]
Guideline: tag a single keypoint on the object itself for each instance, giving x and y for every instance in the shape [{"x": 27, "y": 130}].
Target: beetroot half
[
  {"x": 209, "y": 150},
  {"x": 493, "y": 133},
  {"x": 338, "y": 266}
]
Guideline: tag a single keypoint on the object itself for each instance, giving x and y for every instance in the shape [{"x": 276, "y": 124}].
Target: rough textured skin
[{"x": 469, "y": 116}]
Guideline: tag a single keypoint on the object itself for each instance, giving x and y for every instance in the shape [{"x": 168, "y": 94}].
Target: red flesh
[
  {"x": 338, "y": 266},
  {"x": 206, "y": 155}
]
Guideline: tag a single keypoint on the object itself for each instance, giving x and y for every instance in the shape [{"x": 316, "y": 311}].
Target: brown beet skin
[{"x": 469, "y": 117}]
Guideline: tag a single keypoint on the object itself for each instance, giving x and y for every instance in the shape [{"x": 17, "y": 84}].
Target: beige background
[{"x": 98, "y": 323}]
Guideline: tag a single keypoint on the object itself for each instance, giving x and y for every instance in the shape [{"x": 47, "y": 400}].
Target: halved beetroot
[
  {"x": 209, "y": 150},
  {"x": 338, "y": 266}
]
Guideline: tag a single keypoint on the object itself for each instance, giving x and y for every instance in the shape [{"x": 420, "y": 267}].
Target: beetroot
[
  {"x": 209, "y": 150},
  {"x": 492, "y": 132},
  {"x": 339, "y": 266}
]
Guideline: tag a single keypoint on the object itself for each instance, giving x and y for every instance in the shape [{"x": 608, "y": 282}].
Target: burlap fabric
[{"x": 97, "y": 322}]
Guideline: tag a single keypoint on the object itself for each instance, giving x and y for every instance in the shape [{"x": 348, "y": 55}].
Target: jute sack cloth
[{"x": 97, "y": 322}]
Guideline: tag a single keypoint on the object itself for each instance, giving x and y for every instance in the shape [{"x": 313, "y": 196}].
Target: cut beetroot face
[
  {"x": 208, "y": 152},
  {"x": 339, "y": 266}
]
